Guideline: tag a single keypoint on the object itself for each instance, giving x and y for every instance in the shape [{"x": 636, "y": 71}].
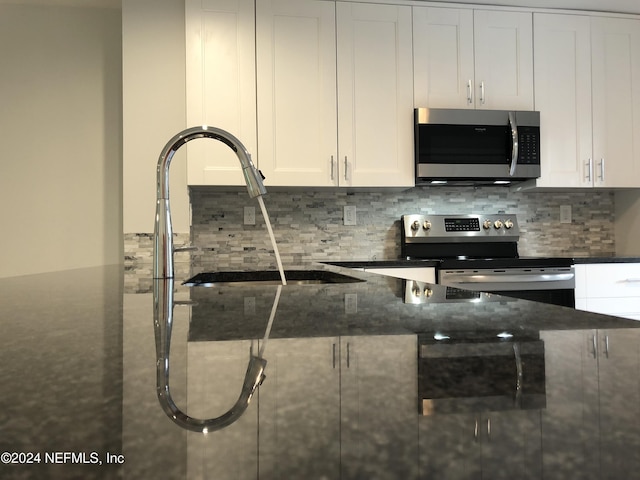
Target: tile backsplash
[{"x": 309, "y": 225}]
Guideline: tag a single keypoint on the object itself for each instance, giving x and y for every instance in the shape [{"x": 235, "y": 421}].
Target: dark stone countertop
[
  {"x": 344, "y": 390},
  {"x": 404, "y": 263},
  {"x": 614, "y": 259}
]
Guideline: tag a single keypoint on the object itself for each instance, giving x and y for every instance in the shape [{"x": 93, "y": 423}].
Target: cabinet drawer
[
  {"x": 628, "y": 307},
  {"x": 612, "y": 280},
  {"x": 422, "y": 274}
]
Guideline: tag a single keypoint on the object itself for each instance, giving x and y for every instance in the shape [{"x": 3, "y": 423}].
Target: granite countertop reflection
[{"x": 344, "y": 393}]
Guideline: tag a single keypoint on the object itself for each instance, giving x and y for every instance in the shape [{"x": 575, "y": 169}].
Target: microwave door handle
[{"x": 514, "y": 142}]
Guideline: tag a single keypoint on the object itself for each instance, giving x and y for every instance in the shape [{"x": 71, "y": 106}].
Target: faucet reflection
[
  {"x": 163, "y": 233},
  {"x": 163, "y": 322}
]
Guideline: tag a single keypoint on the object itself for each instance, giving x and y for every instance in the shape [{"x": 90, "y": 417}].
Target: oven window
[{"x": 464, "y": 144}]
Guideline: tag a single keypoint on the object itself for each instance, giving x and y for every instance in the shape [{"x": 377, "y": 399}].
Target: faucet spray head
[{"x": 254, "y": 179}]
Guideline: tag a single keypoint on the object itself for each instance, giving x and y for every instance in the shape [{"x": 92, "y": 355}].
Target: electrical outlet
[
  {"x": 565, "y": 214},
  {"x": 350, "y": 303},
  {"x": 249, "y": 306},
  {"x": 350, "y": 215},
  {"x": 249, "y": 215}
]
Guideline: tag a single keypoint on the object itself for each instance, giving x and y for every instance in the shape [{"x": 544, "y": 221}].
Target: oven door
[
  {"x": 554, "y": 285},
  {"x": 459, "y": 375}
]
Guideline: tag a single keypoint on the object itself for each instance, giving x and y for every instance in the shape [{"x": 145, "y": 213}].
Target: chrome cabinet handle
[
  {"x": 475, "y": 432},
  {"x": 331, "y": 167},
  {"x": 602, "y": 169},
  {"x": 595, "y": 347},
  {"x": 489, "y": 427},
  {"x": 589, "y": 165},
  {"x": 469, "y": 92},
  {"x": 606, "y": 346},
  {"x": 334, "y": 355},
  {"x": 482, "y": 92},
  {"x": 345, "y": 168},
  {"x": 348, "y": 355}
]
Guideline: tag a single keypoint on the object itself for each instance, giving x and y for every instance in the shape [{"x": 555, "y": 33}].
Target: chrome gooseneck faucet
[
  {"x": 163, "y": 324},
  {"x": 163, "y": 234}
]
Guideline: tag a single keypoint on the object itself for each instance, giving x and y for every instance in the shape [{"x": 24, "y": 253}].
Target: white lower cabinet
[
  {"x": 317, "y": 419},
  {"x": 379, "y": 388},
  {"x": 570, "y": 419},
  {"x": 300, "y": 409},
  {"x": 423, "y": 274},
  {"x": 609, "y": 288},
  {"x": 215, "y": 372},
  {"x": 489, "y": 445},
  {"x": 590, "y": 427}
]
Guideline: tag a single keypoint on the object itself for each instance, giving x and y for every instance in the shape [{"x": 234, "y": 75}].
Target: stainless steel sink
[{"x": 268, "y": 277}]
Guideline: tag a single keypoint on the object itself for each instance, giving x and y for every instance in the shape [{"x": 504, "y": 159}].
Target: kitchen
[{"x": 154, "y": 66}]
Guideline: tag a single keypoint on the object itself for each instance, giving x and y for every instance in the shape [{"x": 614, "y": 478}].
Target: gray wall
[
  {"x": 309, "y": 225},
  {"x": 60, "y": 124}
]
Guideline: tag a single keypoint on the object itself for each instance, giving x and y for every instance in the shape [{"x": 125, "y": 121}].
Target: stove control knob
[
  {"x": 428, "y": 293},
  {"x": 486, "y": 224},
  {"x": 508, "y": 224},
  {"x": 426, "y": 225},
  {"x": 497, "y": 224},
  {"x": 415, "y": 226}
]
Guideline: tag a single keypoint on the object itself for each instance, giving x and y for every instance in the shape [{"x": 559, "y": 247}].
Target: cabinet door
[
  {"x": 375, "y": 95},
  {"x": 569, "y": 421},
  {"x": 300, "y": 409},
  {"x": 563, "y": 97},
  {"x": 616, "y": 101},
  {"x": 379, "y": 407},
  {"x": 220, "y": 86},
  {"x": 503, "y": 60},
  {"x": 296, "y": 62},
  {"x": 214, "y": 380},
  {"x": 510, "y": 443},
  {"x": 450, "y": 447},
  {"x": 619, "y": 381},
  {"x": 443, "y": 57}
]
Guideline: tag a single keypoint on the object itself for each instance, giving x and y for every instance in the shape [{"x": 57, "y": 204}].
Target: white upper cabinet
[
  {"x": 504, "y": 60},
  {"x": 220, "y": 85},
  {"x": 443, "y": 57},
  {"x": 335, "y": 96},
  {"x": 563, "y": 97},
  {"x": 588, "y": 100},
  {"x": 297, "y": 113},
  {"x": 473, "y": 58},
  {"x": 375, "y": 95},
  {"x": 615, "y": 44}
]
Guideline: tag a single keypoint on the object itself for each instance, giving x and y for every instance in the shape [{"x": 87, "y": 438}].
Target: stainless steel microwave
[{"x": 476, "y": 147}]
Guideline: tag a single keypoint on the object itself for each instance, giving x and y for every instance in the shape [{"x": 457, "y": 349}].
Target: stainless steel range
[{"x": 479, "y": 253}]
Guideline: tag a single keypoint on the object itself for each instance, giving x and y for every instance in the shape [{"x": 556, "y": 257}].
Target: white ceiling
[
  {"x": 68, "y": 3},
  {"x": 622, "y": 6}
]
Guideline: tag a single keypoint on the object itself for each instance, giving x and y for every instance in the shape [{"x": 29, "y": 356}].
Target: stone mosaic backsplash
[{"x": 309, "y": 225}]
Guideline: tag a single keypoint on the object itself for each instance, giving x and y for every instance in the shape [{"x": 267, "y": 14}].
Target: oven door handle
[
  {"x": 463, "y": 278},
  {"x": 513, "y": 124}
]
